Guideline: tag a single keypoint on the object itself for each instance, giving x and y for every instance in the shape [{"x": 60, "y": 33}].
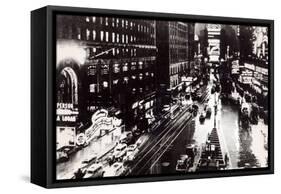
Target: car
[
  {"x": 141, "y": 141},
  {"x": 62, "y": 156},
  {"x": 132, "y": 151},
  {"x": 120, "y": 151},
  {"x": 183, "y": 164},
  {"x": 94, "y": 171},
  {"x": 126, "y": 138},
  {"x": 115, "y": 170},
  {"x": 208, "y": 112},
  {"x": 202, "y": 117},
  {"x": 89, "y": 160}
]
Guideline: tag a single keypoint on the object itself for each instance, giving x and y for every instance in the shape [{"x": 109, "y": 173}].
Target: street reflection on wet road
[{"x": 244, "y": 148}]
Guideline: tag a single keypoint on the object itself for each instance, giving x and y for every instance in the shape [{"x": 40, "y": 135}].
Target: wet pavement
[{"x": 245, "y": 149}]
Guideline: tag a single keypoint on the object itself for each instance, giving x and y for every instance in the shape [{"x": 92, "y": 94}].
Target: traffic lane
[
  {"x": 190, "y": 130},
  {"x": 160, "y": 140},
  {"x": 157, "y": 151},
  {"x": 193, "y": 133},
  {"x": 161, "y": 131},
  {"x": 165, "y": 162}
]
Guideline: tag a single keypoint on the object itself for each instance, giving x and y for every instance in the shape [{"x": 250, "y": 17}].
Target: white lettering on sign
[
  {"x": 64, "y": 106},
  {"x": 66, "y": 118},
  {"x": 250, "y": 66},
  {"x": 262, "y": 70}
]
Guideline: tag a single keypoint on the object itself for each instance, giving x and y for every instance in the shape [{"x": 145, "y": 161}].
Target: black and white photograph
[{"x": 141, "y": 97}]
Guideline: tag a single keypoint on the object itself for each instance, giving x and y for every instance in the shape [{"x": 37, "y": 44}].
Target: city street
[
  {"x": 168, "y": 141},
  {"x": 159, "y": 97},
  {"x": 245, "y": 150}
]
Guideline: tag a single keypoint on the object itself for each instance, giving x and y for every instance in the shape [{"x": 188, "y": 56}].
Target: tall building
[
  {"x": 214, "y": 31},
  {"x": 173, "y": 56},
  {"x": 118, "y": 71}
]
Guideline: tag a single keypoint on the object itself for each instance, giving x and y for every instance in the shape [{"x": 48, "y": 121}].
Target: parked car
[
  {"x": 132, "y": 151},
  {"x": 115, "y": 170},
  {"x": 89, "y": 160},
  {"x": 126, "y": 138},
  {"x": 94, "y": 171},
  {"x": 120, "y": 151}
]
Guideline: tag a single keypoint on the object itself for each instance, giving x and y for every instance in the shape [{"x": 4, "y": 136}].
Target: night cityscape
[{"x": 150, "y": 97}]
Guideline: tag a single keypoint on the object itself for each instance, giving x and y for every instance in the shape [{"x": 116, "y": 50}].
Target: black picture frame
[{"x": 43, "y": 95}]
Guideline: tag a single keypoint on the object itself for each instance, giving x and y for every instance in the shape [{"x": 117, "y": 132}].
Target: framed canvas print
[{"x": 125, "y": 96}]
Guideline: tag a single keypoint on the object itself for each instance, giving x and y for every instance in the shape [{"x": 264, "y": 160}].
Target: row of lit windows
[
  {"x": 125, "y": 67},
  {"x": 140, "y": 77},
  {"x": 125, "y": 52},
  {"x": 117, "y": 68},
  {"x": 116, "y": 22},
  {"x": 105, "y": 36},
  {"x": 96, "y": 88}
]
